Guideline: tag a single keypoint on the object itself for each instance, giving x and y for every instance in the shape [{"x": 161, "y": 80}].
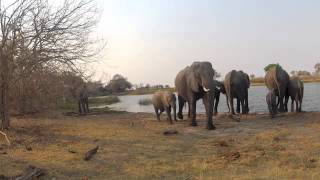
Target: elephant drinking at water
[{"x": 277, "y": 80}]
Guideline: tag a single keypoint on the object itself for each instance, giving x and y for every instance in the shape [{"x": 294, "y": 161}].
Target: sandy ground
[{"x": 132, "y": 146}]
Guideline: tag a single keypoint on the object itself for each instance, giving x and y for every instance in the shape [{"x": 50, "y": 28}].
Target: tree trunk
[{"x": 4, "y": 86}]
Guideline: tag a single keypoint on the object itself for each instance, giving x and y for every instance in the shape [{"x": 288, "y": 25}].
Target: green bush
[
  {"x": 145, "y": 102},
  {"x": 267, "y": 68},
  {"x": 107, "y": 100}
]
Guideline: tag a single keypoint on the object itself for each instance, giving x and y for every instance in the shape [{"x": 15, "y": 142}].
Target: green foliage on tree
[
  {"x": 119, "y": 84},
  {"x": 270, "y": 66}
]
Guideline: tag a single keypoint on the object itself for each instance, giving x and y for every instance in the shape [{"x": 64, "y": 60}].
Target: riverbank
[{"x": 132, "y": 146}]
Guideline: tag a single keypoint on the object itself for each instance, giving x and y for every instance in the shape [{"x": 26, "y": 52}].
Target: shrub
[{"x": 145, "y": 102}]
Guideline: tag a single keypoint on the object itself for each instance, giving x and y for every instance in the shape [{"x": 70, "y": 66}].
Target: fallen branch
[
  {"x": 90, "y": 153},
  {"x": 5, "y": 135},
  {"x": 30, "y": 173},
  {"x": 170, "y": 132}
]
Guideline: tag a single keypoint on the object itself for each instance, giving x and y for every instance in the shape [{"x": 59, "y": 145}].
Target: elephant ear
[{"x": 192, "y": 79}]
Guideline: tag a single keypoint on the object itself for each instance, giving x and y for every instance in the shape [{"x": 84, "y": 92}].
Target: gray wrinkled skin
[
  {"x": 193, "y": 83},
  {"x": 271, "y": 100},
  {"x": 236, "y": 84},
  {"x": 277, "y": 79},
  {"x": 295, "y": 92}
]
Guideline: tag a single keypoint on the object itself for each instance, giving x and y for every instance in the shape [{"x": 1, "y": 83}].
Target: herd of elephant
[{"x": 197, "y": 82}]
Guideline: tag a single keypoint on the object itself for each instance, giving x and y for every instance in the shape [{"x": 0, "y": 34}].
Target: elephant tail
[{"x": 277, "y": 84}]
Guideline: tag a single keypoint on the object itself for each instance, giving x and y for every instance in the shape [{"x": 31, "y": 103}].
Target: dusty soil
[{"x": 133, "y": 146}]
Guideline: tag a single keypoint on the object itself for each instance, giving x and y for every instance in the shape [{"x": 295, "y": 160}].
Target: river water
[{"x": 311, "y": 101}]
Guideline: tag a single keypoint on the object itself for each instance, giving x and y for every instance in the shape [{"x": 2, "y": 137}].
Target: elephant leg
[
  {"x": 292, "y": 106},
  {"x": 246, "y": 101},
  {"x": 192, "y": 105},
  {"x": 238, "y": 105},
  {"x": 189, "y": 111},
  {"x": 297, "y": 104},
  {"x": 208, "y": 104},
  {"x": 168, "y": 111},
  {"x": 83, "y": 105},
  {"x": 156, "y": 110},
  {"x": 79, "y": 106},
  {"x": 231, "y": 105},
  {"x": 300, "y": 105},
  {"x": 286, "y": 103},
  {"x": 216, "y": 103},
  {"x": 281, "y": 104},
  {"x": 174, "y": 108},
  {"x": 243, "y": 108},
  {"x": 87, "y": 105},
  {"x": 181, "y": 102}
]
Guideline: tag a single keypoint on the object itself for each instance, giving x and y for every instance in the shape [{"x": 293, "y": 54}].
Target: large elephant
[
  {"x": 295, "y": 91},
  {"x": 236, "y": 84},
  {"x": 277, "y": 79},
  {"x": 193, "y": 83},
  {"x": 164, "y": 101}
]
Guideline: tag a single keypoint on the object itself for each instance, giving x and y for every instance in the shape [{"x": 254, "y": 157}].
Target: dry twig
[{"x": 5, "y": 135}]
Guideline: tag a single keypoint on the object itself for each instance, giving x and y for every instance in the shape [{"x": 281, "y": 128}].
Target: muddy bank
[{"x": 133, "y": 146}]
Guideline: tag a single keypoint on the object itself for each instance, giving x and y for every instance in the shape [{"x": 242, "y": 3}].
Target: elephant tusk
[
  {"x": 218, "y": 88},
  {"x": 205, "y": 89}
]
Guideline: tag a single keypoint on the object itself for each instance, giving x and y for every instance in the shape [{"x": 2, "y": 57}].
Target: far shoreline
[{"x": 151, "y": 91}]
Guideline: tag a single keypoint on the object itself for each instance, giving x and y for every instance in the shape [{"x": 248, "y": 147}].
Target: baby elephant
[
  {"x": 272, "y": 103},
  {"x": 295, "y": 91},
  {"x": 164, "y": 101}
]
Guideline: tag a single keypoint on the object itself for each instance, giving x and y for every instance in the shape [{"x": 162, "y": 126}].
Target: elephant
[
  {"x": 164, "y": 101},
  {"x": 218, "y": 90},
  {"x": 236, "y": 84},
  {"x": 295, "y": 91},
  {"x": 271, "y": 100},
  {"x": 83, "y": 100},
  {"x": 193, "y": 83},
  {"x": 277, "y": 79}
]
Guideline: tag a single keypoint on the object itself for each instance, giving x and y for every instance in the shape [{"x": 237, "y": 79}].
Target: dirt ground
[{"x": 132, "y": 146}]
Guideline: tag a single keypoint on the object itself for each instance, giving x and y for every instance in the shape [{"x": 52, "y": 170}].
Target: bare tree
[{"x": 36, "y": 35}]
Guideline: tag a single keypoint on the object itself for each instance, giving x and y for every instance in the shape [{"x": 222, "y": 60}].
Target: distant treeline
[{"x": 305, "y": 76}]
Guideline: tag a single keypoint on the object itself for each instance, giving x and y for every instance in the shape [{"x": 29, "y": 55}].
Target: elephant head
[
  {"x": 219, "y": 87},
  {"x": 201, "y": 77}
]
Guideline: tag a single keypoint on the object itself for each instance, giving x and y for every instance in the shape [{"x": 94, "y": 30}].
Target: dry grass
[{"x": 133, "y": 147}]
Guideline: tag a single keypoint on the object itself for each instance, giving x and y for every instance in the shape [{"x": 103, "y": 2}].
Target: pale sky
[{"x": 149, "y": 41}]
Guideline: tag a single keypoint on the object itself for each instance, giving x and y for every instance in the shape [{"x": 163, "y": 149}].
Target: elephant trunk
[{"x": 208, "y": 84}]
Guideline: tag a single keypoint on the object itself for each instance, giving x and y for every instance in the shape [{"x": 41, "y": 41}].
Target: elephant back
[
  {"x": 271, "y": 80},
  {"x": 157, "y": 99}
]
